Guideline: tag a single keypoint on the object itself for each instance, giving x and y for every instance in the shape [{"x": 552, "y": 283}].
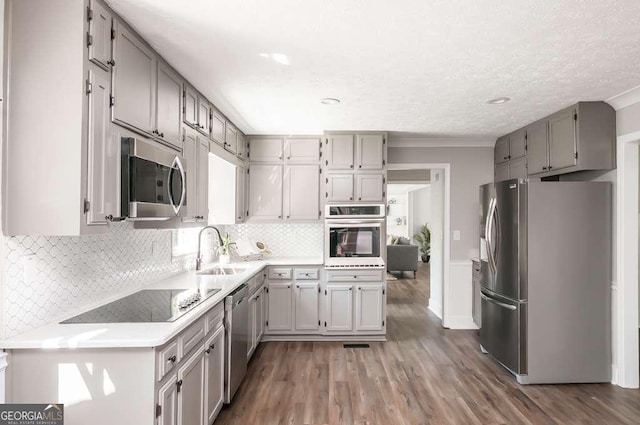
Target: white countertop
[{"x": 128, "y": 335}]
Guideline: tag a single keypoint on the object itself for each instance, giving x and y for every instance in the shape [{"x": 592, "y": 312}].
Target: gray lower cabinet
[
  {"x": 214, "y": 375},
  {"x": 134, "y": 81},
  {"x": 168, "y": 404},
  {"x": 191, "y": 389}
]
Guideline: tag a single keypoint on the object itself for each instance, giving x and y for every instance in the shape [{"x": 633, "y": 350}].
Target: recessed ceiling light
[
  {"x": 330, "y": 100},
  {"x": 498, "y": 101}
]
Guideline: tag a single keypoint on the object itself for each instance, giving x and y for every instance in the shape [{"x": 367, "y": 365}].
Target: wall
[
  {"x": 436, "y": 265},
  {"x": 421, "y": 209},
  {"x": 470, "y": 168}
]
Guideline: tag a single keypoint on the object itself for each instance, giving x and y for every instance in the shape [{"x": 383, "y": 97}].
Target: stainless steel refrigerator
[{"x": 546, "y": 279}]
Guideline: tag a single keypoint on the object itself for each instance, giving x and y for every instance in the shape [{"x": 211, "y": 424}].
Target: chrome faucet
[{"x": 199, "y": 256}]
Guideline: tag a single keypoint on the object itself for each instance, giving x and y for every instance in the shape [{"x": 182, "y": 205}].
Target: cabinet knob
[
  {"x": 351, "y": 198},
  {"x": 550, "y": 167},
  {"x": 350, "y": 289},
  {"x": 351, "y": 166},
  {"x": 288, "y": 216},
  {"x": 288, "y": 157},
  {"x": 111, "y": 62},
  {"x": 172, "y": 359},
  {"x": 212, "y": 346},
  {"x": 279, "y": 216},
  {"x": 208, "y": 350},
  {"x": 179, "y": 384},
  {"x": 359, "y": 199},
  {"x": 544, "y": 168},
  {"x": 359, "y": 166}
]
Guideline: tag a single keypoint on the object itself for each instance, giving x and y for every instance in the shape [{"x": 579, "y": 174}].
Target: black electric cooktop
[{"x": 149, "y": 305}]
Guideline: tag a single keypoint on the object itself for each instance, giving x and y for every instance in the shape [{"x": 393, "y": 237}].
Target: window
[{"x": 184, "y": 241}]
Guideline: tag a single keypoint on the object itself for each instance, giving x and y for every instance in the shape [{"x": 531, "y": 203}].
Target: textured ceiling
[{"x": 410, "y": 66}]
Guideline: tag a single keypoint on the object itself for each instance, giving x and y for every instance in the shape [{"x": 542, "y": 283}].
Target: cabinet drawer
[
  {"x": 167, "y": 359},
  {"x": 190, "y": 338},
  {"x": 307, "y": 274},
  {"x": 214, "y": 318},
  {"x": 280, "y": 273},
  {"x": 354, "y": 276}
]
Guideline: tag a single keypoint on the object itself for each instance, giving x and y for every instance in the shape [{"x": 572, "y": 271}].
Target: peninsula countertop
[{"x": 141, "y": 335}]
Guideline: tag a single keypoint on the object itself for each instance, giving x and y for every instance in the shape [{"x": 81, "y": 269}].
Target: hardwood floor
[{"x": 424, "y": 374}]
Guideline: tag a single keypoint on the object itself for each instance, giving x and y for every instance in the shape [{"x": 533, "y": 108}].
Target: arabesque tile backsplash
[{"x": 46, "y": 278}]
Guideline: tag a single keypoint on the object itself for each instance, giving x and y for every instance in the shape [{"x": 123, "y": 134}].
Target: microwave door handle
[
  {"x": 183, "y": 191},
  {"x": 176, "y": 164}
]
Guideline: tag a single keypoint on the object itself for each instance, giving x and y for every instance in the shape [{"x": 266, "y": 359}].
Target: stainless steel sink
[{"x": 221, "y": 271}]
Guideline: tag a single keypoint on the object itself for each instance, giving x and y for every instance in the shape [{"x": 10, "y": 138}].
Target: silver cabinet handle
[{"x": 498, "y": 303}]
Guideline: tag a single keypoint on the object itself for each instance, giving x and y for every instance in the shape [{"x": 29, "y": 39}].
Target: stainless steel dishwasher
[{"x": 236, "y": 312}]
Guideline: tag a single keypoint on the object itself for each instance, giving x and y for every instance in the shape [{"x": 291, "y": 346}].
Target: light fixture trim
[
  {"x": 498, "y": 100},
  {"x": 330, "y": 100}
]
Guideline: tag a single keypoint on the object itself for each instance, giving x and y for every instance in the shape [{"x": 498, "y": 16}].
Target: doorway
[{"x": 419, "y": 194}]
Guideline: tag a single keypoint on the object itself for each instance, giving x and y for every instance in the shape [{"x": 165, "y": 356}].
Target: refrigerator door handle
[
  {"x": 498, "y": 303},
  {"x": 489, "y": 237}
]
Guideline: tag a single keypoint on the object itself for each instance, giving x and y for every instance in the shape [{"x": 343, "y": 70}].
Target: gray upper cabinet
[
  {"x": 518, "y": 144},
  {"x": 302, "y": 150},
  {"x": 578, "y": 138},
  {"x": 501, "y": 150},
  {"x": 501, "y": 172},
  {"x": 190, "y": 106},
  {"x": 370, "y": 152},
  {"x": 538, "y": 138},
  {"x": 218, "y": 129},
  {"x": 339, "y": 152},
  {"x": 562, "y": 139},
  {"x": 204, "y": 115},
  {"x": 242, "y": 146},
  {"x": 268, "y": 149},
  {"x": 231, "y": 138},
  {"x": 168, "y": 105},
  {"x": 134, "y": 81},
  {"x": 99, "y": 37}
]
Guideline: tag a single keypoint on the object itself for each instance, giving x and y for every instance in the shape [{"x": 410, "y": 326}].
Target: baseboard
[
  {"x": 319, "y": 338},
  {"x": 435, "y": 307},
  {"x": 614, "y": 374},
  {"x": 459, "y": 322}
]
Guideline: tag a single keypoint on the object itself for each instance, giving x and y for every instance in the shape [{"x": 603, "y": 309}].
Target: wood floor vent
[{"x": 355, "y": 346}]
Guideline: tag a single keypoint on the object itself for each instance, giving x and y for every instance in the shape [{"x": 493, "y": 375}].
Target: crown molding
[
  {"x": 428, "y": 142},
  {"x": 625, "y": 99}
]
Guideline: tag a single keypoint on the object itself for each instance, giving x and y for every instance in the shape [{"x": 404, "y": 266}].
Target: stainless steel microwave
[{"x": 152, "y": 181}]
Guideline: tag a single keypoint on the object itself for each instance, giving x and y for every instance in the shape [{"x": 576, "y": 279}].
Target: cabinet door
[
  {"x": 518, "y": 169},
  {"x": 339, "y": 187},
  {"x": 537, "y": 153},
  {"x": 218, "y": 127},
  {"x": 240, "y": 194},
  {"x": 562, "y": 140},
  {"x": 369, "y": 308},
  {"x": 190, "y": 106},
  {"x": 99, "y": 41},
  {"x": 168, "y": 402},
  {"x": 191, "y": 389},
  {"x": 168, "y": 105},
  {"x": 265, "y": 192},
  {"x": 134, "y": 82},
  {"x": 265, "y": 150},
  {"x": 242, "y": 146},
  {"x": 339, "y": 308},
  {"x": 231, "y": 138},
  {"x": 261, "y": 308},
  {"x": 307, "y": 306},
  {"x": 190, "y": 154},
  {"x": 501, "y": 150},
  {"x": 202, "y": 182},
  {"x": 370, "y": 152},
  {"x": 103, "y": 152},
  {"x": 204, "y": 114},
  {"x": 214, "y": 375},
  {"x": 302, "y": 150},
  {"x": 502, "y": 172},
  {"x": 517, "y": 145},
  {"x": 339, "y": 152},
  {"x": 369, "y": 187},
  {"x": 301, "y": 197},
  {"x": 279, "y": 311}
]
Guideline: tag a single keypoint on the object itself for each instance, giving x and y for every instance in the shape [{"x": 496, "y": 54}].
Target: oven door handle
[{"x": 177, "y": 164}]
